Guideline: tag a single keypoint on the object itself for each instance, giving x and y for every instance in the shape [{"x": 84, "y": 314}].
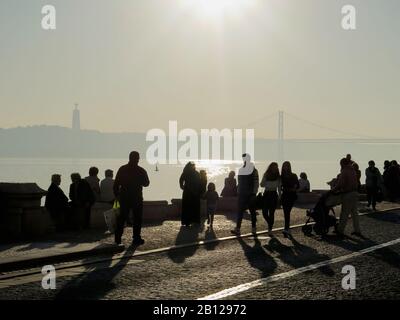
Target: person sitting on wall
[
  {"x": 94, "y": 181},
  {"x": 107, "y": 187},
  {"x": 230, "y": 187},
  {"x": 304, "y": 183},
  {"x": 57, "y": 203},
  {"x": 82, "y": 198}
]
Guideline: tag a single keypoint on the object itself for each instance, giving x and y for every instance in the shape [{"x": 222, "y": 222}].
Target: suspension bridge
[{"x": 347, "y": 136}]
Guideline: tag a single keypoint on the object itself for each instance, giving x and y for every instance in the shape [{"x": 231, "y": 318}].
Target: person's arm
[
  {"x": 47, "y": 202},
  {"x": 71, "y": 192},
  {"x": 235, "y": 188},
  {"x": 62, "y": 197},
  {"x": 380, "y": 180},
  {"x": 263, "y": 181},
  {"x": 182, "y": 181},
  {"x": 339, "y": 183},
  {"x": 117, "y": 184},
  {"x": 146, "y": 181},
  {"x": 256, "y": 181},
  {"x": 296, "y": 182},
  {"x": 279, "y": 188}
]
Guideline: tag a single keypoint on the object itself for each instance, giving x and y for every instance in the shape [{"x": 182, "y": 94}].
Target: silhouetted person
[
  {"x": 93, "y": 181},
  {"x": 247, "y": 192},
  {"x": 212, "y": 201},
  {"x": 290, "y": 184},
  {"x": 107, "y": 187},
  {"x": 82, "y": 198},
  {"x": 203, "y": 182},
  {"x": 190, "y": 183},
  {"x": 386, "y": 166},
  {"x": 128, "y": 189},
  {"x": 392, "y": 181},
  {"x": 230, "y": 186},
  {"x": 304, "y": 183},
  {"x": 57, "y": 203},
  {"x": 347, "y": 185},
  {"x": 373, "y": 183},
  {"x": 358, "y": 174},
  {"x": 349, "y": 158},
  {"x": 271, "y": 182}
]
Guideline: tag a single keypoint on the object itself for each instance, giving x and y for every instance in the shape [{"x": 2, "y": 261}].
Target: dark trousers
[
  {"x": 288, "y": 200},
  {"x": 246, "y": 202},
  {"x": 190, "y": 208},
  {"x": 269, "y": 207},
  {"x": 86, "y": 223},
  {"x": 59, "y": 218},
  {"x": 371, "y": 196},
  {"x": 137, "y": 213}
]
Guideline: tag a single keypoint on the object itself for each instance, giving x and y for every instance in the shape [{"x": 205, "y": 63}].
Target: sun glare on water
[{"x": 215, "y": 9}]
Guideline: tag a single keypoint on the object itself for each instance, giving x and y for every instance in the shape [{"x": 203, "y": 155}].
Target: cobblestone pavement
[{"x": 199, "y": 271}]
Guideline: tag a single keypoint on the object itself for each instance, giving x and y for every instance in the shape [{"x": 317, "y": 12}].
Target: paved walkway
[
  {"x": 167, "y": 234},
  {"x": 255, "y": 267}
]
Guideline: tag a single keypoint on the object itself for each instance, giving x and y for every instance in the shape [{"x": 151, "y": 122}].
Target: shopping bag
[{"x": 110, "y": 216}]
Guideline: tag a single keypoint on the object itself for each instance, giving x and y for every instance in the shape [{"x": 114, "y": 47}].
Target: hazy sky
[{"x": 133, "y": 65}]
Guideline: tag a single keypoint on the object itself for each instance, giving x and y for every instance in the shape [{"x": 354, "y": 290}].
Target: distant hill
[
  {"x": 61, "y": 142},
  {"x": 55, "y": 141}
]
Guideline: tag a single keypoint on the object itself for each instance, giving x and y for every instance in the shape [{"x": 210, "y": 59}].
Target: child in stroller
[{"x": 321, "y": 215}]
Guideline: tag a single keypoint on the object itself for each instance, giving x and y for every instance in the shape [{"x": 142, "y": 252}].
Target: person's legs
[
  {"x": 271, "y": 209},
  {"x": 373, "y": 197},
  {"x": 185, "y": 206},
  {"x": 286, "y": 210},
  {"x": 196, "y": 210},
  {"x": 287, "y": 205},
  {"x": 344, "y": 213},
  {"x": 137, "y": 220},
  {"x": 121, "y": 218},
  {"x": 241, "y": 208},
  {"x": 212, "y": 217},
  {"x": 88, "y": 211},
  {"x": 271, "y": 218},
  {"x": 253, "y": 210},
  {"x": 369, "y": 196},
  {"x": 265, "y": 208},
  {"x": 354, "y": 212}
]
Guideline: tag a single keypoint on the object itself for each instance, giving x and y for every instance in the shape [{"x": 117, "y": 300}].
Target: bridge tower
[{"x": 280, "y": 136}]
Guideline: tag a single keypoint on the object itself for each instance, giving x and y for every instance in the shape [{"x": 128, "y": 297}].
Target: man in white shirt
[{"x": 106, "y": 187}]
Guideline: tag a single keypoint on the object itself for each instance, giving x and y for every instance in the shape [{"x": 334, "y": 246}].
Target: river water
[{"x": 164, "y": 184}]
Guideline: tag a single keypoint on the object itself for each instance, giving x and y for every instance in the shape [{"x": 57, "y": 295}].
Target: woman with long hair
[
  {"x": 290, "y": 184},
  {"x": 271, "y": 182}
]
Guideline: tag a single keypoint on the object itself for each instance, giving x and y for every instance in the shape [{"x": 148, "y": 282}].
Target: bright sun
[{"x": 219, "y": 8}]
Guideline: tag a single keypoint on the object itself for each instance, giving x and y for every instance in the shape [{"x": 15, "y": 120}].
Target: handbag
[{"x": 110, "y": 217}]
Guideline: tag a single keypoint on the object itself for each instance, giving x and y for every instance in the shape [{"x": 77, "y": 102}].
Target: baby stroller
[{"x": 321, "y": 215}]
